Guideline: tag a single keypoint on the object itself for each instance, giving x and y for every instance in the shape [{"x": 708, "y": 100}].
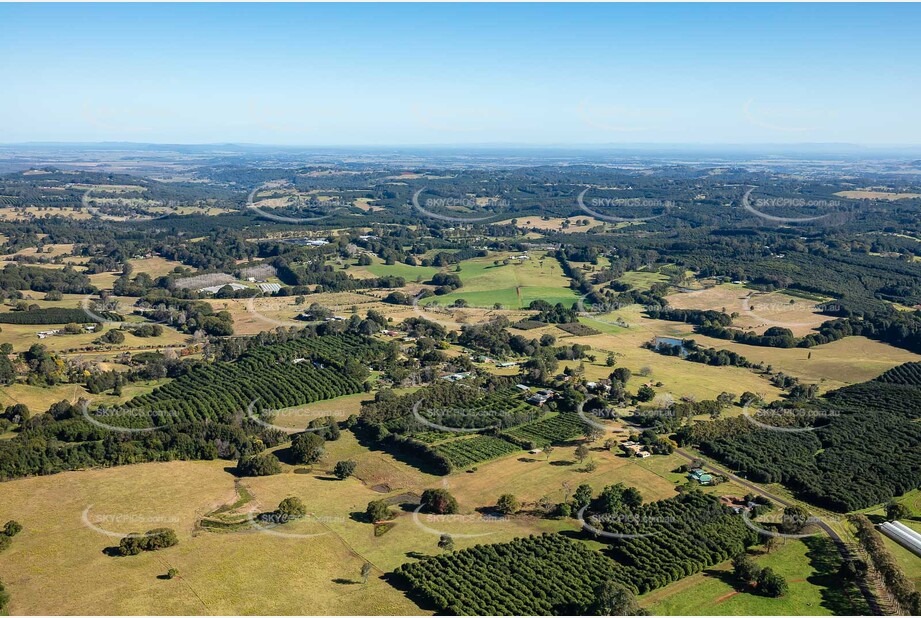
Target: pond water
[{"x": 673, "y": 342}]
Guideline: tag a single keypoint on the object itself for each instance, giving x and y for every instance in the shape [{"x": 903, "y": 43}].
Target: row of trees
[
  {"x": 834, "y": 462},
  {"x": 893, "y": 576},
  {"x": 152, "y": 540}
]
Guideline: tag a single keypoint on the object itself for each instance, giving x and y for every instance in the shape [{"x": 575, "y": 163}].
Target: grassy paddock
[
  {"x": 809, "y": 567},
  {"x": 513, "y": 285}
]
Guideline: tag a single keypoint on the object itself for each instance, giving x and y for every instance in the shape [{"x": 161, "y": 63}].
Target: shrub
[
  {"x": 507, "y": 504},
  {"x": 258, "y": 465},
  {"x": 12, "y": 528},
  {"x": 771, "y": 584},
  {"x": 152, "y": 540},
  {"x": 378, "y": 510},
  {"x": 290, "y": 508},
  {"x": 344, "y": 469},
  {"x": 307, "y": 447},
  {"x": 439, "y": 501}
]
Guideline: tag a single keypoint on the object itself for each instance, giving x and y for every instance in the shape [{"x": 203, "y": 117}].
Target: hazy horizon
[{"x": 422, "y": 75}]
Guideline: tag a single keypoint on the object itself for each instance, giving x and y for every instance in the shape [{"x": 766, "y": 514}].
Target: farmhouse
[
  {"x": 540, "y": 397},
  {"x": 637, "y": 449},
  {"x": 700, "y": 476}
]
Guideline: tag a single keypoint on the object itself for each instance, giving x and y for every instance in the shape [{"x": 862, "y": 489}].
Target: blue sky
[{"x": 388, "y": 74}]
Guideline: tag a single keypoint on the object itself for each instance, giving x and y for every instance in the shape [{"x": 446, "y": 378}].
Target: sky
[{"x": 454, "y": 74}]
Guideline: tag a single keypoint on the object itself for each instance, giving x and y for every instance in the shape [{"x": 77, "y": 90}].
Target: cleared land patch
[{"x": 757, "y": 311}]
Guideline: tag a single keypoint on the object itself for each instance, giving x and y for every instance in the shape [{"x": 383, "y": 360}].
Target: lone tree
[
  {"x": 172, "y": 573},
  {"x": 290, "y": 508},
  {"x": 645, "y": 393},
  {"x": 745, "y": 569},
  {"x": 439, "y": 501},
  {"x": 446, "y": 542},
  {"x": 307, "y": 447},
  {"x": 258, "y": 465},
  {"x": 378, "y": 510},
  {"x": 365, "y": 572},
  {"x": 344, "y": 469},
  {"x": 507, "y": 504},
  {"x": 593, "y": 433},
  {"x": 582, "y": 452},
  {"x": 771, "y": 584},
  {"x": 612, "y": 598},
  {"x": 772, "y": 543}
]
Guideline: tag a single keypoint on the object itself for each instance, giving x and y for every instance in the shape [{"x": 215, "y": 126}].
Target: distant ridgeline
[
  {"x": 202, "y": 414},
  {"x": 550, "y": 574},
  {"x": 861, "y": 444}
]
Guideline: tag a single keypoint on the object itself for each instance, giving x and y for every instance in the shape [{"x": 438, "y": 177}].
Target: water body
[{"x": 672, "y": 342}]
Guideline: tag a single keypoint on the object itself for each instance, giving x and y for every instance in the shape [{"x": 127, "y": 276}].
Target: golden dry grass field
[
  {"x": 249, "y": 572},
  {"x": 832, "y": 365},
  {"x": 555, "y": 224},
  {"x": 846, "y": 361},
  {"x": 757, "y": 311},
  {"x": 877, "y": 195}
]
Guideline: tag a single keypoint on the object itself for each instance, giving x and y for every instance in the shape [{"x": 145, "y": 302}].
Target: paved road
[{"x": 843, "y": 548}]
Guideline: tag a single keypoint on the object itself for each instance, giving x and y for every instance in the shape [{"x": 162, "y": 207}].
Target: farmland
[
  {"x": 512, "y": 285},
  {"x": 397, "y": 384}
]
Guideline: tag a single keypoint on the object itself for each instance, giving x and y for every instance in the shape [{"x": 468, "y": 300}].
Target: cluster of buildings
[
  {"x": 456, "y": 377},
  {"x": 637, "y": 449},
  {"x": 701, "y": 476}
]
